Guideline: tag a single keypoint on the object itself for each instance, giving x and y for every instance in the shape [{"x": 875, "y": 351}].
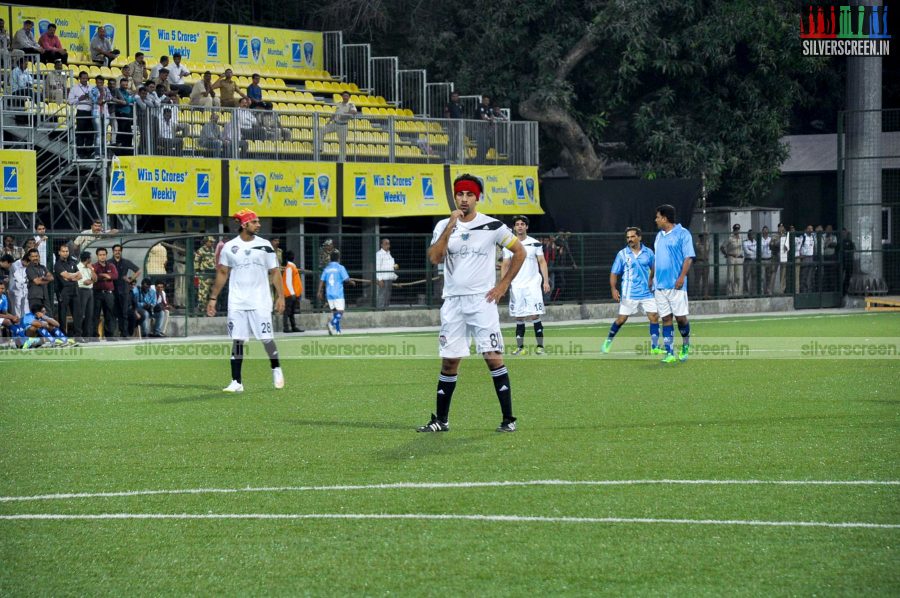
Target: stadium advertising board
[
  {"x": 285, "y": 189},
  {"x": 166, "y": 186},
  {"x": 388, "y": 190},
  {"x": 507, "y": 189},
  {"x": 19, "y": 191},
  {"x": 196, "y": 42},
  {"x": 264, "y": 48},
  {"x": 75, "y": 28}
]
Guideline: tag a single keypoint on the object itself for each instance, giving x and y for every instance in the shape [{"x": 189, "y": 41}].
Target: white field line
[
  {"x": 449, "y": 485},
  {"x": 443, "y": 517}
]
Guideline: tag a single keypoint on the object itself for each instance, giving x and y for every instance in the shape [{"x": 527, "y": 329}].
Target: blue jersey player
[
  {"x": 635, "y": 265},
  {"x": 41, "y": 329},
  {"x": 674, "y": 250},
  {"x": 331, "y": 287}
]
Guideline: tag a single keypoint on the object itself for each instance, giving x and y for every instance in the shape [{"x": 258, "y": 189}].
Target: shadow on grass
[{"x": 358, "y": 425}]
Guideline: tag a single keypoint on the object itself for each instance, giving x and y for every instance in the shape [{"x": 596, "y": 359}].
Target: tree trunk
[{"x": 579, "y": 158}]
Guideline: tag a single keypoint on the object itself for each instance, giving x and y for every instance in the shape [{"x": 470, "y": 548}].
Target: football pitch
[{"x": 767, "y": 464}]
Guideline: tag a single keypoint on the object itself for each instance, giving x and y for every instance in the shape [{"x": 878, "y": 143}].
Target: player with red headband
[
  {"x": 253, "y": 269},
  {"x": 466, "y": 244}
]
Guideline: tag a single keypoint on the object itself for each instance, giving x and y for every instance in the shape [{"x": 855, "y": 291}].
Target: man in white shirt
[
  {"x": 806, "y": 246},
  {"x": 339, "y": 122},
  {"x": 80, "y": 98},
  {"x": 749, "y": 247},
  {"x": 168, "y": 140},
  {"x": 177, "y": 73},
  {"x": 526, "y": 293},
  {"x": 40, "y": 243},
  {"x": 385, "y": 274},
  {"x": 249, "y": 261},
  {"x": 466, "y": 244},
  {"x": 765, "y": 254},
  {"x": 163, "y": 64}
]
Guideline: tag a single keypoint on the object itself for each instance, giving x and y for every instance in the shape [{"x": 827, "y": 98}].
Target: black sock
[
  {"x": 500, "y": 376},
  {"x": 539, "y": 332},
  {"x": 520, "y": 334},
  {"x": 272, "y": 352},
  {"x": 237, "y": 360},
  {"x": 446, "y": 386}
]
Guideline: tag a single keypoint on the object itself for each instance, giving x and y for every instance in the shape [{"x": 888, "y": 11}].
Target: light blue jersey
[
  {"x": 4, "y": 304},
  {"x": 334, "y": 276},
  {"x": 634, "y": 271},
  {"x": 671, "y": 249}
]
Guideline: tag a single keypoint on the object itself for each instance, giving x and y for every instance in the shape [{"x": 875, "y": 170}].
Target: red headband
[
  {"x": 466, "y": 185},
  {"x": 245, "y": 216}
]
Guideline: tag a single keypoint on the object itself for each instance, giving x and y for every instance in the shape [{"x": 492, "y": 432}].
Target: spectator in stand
[
  {"x": 148, "y": 308},
  {"x": 10, "y": 247},
  {"x": 228, "y": 89},
  {"x": 246, "y": 122},
  {"x": 67, "y": 276},
  {"x": 41, "y": 241},
  {"x": 142, "y": 105},
  {"x": 271, "y": 126},
  {"x": 338, "y": 122},
  {"x": 123, "y": 101},
  {"x": 8, "y": 320},
  {"x": 385, "y": 274},
  {"x": 101, "y": 98},
  {"x": 41, "y": 329},
  {"x": 293, "y": 290},
  {"x": 126, "y": 72},
  {"x": 53, "y": 49},
  {"x": 162, "y": 301},
  {"x": 92, "y": 234},
  {"x": 203, "y": 93},
  {"x": 122, "y": 295},
  {"x": 162, "y": 83},
  {"x": 104, "y": 289},
  {"x": 21, "y": 83},
  {"x": 4, "y": 43},
  {"x": 39, "y": 279},
  {"x": 454, "y": 111},
  {"x": 254, "y": 92},
  {"x": 171, "y": 98},
  {"x": 85, "y": 316},
  {"x": 102, "y": 52},
  {"x": 170, "y": 139},
  {"x": 6, "y": 262},
  {"x": 484, "y": 113},
  {"x": 29, "y": 245},
  {"x": 138, "y": 70},
  {"x": 749, "y": 248},
  {"x": 212, "y": 137},
  {"x": 55, "y": 83},
  {"x": 163, "y": 64},
  {"x": 80, "y": 97},
  {"x": 24, "y": 40},
  {"x": 153, "y": 98},
  {"x": 18, "y": 286},
  {"x": 177, "y": 73}
]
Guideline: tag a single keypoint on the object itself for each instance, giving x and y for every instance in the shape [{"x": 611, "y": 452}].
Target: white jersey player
[
  {"x": 526, "y": 293},
  {"x": 466, "y": 244},
  {"x": 253, "y": 268}
]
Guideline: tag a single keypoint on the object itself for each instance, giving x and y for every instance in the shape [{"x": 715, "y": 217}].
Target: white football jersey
[
  {"x": 470, "y": 263},
  {"x": 530, "y": 273},
  {"x": 248, "y": 282}
]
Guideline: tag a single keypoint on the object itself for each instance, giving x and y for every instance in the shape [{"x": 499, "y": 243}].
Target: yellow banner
[
  {"x": 166, "y": 186},
  {"x": 19, "y": 191},
  {"x": 388, "y": 190},
  {"x": 507, "y": 189},
  {"x": 75, "y": 28},
  {"x": 196, "y": 42},
  {"x": 261, "y": 47},
  {"x": 287, "y": 189}
]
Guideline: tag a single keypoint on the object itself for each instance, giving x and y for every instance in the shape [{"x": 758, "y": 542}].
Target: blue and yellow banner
[
  {"x": 507, "y": 189},
  {"x": 75, "y": 28},
  {"x": 166, "y": 186},
  {"x": 264, "y": 48},
  {"x": 284, "y": 189},
  {"x": 390, "y": 190},
  {"x": 19, "y": 191},
  {"x": 197, "y": 42}
]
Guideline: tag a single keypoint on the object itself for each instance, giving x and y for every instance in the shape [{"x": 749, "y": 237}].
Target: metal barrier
[
  {"x": 412, "y": 90},
  {"x": 357, "y": 65},
  {"x": 437, "y": 98},
  {"x": 332, "y": 57},
  {"x": 384, "y": 77},
  {"x": 242, "y": 133}
]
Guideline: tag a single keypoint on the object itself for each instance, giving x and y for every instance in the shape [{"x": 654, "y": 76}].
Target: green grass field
[{"x": 316, "y": 463}]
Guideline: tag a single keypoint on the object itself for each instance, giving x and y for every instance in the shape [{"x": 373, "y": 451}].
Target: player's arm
[
  {"x": 613, "y": 282},
  {"x": 51, "y": 322},
  {"x": 438, "y": 250},
  {"x": 320, "y": 294},
  {"x": 221, "y": 279},
  {"x": 518, "y": 258},
  {"x": 275, "y": 281},
  {"x": 685, "y": 266},
  {"x": 542, "y": 264}
]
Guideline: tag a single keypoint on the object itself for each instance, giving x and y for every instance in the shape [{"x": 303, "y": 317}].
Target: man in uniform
[
  {"x": 205, "y": 270},
  {"x": 526, "y": 293},
  {"x": 674, "y": 253}
]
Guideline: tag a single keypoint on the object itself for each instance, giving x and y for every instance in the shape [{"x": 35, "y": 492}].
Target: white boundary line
[
  {"x": 441, "y": 517},
  {"x": 445, "y": 485}
]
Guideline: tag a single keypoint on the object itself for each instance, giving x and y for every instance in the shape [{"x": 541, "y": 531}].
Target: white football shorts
[
  {"x": 671, "y": 301},
  {"x": 244, "y": 323},
  {"x": 526, "y": 301},
  {"x": 337, "y": 304},
  {"x": 629, "y": 307},
  {"x": 469, "y": 316}
]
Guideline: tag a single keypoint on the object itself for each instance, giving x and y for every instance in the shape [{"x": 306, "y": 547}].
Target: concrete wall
[{"x": 355, "y": 320}]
